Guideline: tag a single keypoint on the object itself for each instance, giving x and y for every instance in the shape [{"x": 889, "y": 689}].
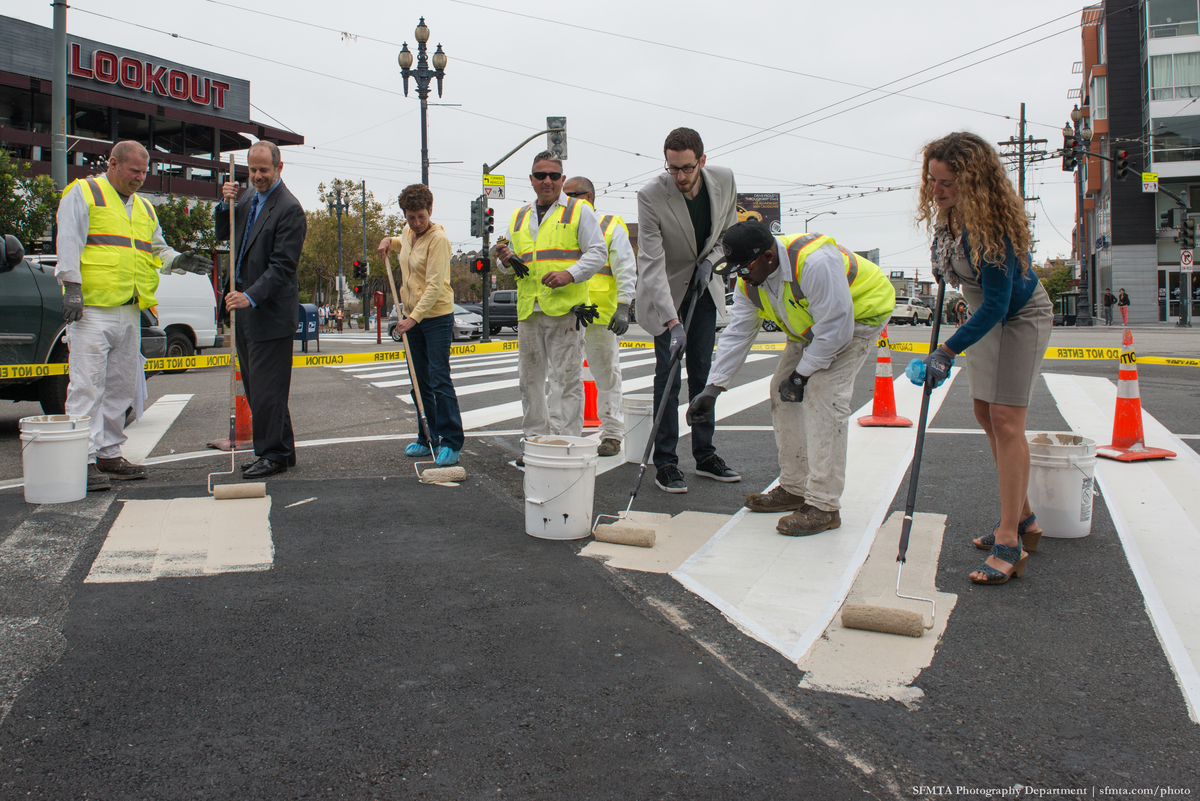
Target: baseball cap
[{"x": 744, "y": 242}]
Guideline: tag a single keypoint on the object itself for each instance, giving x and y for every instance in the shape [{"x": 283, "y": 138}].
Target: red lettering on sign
[
  {"x": 177, "y": 85},
  {"x": 219, "y": 88},
  {"x": 131, "y": 73},
  {"x": 154, "y": 79},
  {"x": 77, "y": 69},
  {"x": 104, "y": 64},
  {"x": 201, "y": 99}
]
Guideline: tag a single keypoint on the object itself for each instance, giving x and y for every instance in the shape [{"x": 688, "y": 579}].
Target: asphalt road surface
[{"x": 412, "y": 641}]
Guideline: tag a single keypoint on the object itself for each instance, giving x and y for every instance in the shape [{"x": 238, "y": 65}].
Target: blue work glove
[
  {"x": 792, "y": 388},
  {"x": 619, "y": 323},
  {"x": 678, "y": 340},
  {"x": 701, "y": 409},
  {"x": 72, "y": 302}
]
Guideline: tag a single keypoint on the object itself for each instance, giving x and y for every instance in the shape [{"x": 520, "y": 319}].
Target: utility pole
[
  {"x": 58, "y": 99},
  {"x": 1024, "y": 150},
  {"x": 335, "y": 205}
]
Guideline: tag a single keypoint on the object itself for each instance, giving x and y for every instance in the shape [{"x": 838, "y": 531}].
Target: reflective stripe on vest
[
  {"x": 117, "y": 262},
  {"x": 602, "y": 287},
  {"x": 556, "y": 248},
  {"x": 872, "y": 293}
]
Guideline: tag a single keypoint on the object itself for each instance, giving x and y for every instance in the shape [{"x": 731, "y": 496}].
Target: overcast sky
[{"x": 828, "y": 104}]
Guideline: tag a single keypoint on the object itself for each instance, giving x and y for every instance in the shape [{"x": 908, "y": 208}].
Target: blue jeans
[
  {"x": 429, "y": 346},
  {"x": 698, "y": 353}
]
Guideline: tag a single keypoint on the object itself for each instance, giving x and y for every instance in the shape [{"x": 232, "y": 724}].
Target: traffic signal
[
  {"x": 1069, "y": 159},
  {"x": 489, "y": 221},
  {"x": 360, "y": 269},
  {"x": 556, "y": 139},
  {"x": 476, "y": 217},
  {"x": 1187, "y": 234},
  {"x": 481, "y": 264},
  {"x": 1168, "y": 219},
  {"x": 1121, "y": 163}
]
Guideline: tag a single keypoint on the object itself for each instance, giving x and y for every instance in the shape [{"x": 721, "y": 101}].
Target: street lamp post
[
  {"x": 815, "y": 216},
  {"x": 336, "y": 206},
  {"x": 1080, "y": 139},
  {"x": 423, "y": 75}
]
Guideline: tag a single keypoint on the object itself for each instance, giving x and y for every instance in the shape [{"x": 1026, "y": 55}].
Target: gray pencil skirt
[{"x": 1003, "y": 366}]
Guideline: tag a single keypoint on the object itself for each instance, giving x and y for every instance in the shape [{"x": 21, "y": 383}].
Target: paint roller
[
  {"x": 886, "y": 619},
  {"x": 225, "y": 492},
  {"x": 434, "y": 475}
]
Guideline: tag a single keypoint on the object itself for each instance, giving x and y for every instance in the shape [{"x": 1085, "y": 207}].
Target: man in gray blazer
[{"x": 682, "y": 215}]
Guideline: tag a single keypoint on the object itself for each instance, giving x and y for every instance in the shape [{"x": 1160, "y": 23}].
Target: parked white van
[{"x": 187, "y": 311}]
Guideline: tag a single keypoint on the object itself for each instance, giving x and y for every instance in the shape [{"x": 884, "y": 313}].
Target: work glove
[
  {"x": 72, "y": 303},
  {"x": 700, "y": 410},
  {"x": 518, "y": 267},
  {"x": 585, "y": 315},
  {"x": 619, "y": 323},
  {"x": 190, "y": 262},
  {"x": 792, "y": 388},
  {"x": 700, "y": 276},
  {"x": 678, "y": 340},
  {"x": 923, "y": 371}
]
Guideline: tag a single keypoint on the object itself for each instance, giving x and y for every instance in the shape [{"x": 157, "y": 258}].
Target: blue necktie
[{"x": 246, "y": 234}]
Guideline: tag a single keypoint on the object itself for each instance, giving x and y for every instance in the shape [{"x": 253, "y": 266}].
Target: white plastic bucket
[
  {"x": 54, "y": 451},
  {"x": 638, "y": 411},
  {"x": 1062, "y": 468},
  {"x": 560, "y": 484}
]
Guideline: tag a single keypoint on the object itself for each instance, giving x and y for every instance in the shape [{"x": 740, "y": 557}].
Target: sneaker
[
  {"x": 809, "y": 520},
  {"x": 777, "y": 500},
  {"x": 714, "y": 467},
  {"x": 670, "y": 479},
  {"x": 121, "y": 469},
  {"x": 417, "y": 449},
  {"x": 97, "y": 480},
  {"x": 609, "y": 446},
  {"x": 447, "y": 456}
]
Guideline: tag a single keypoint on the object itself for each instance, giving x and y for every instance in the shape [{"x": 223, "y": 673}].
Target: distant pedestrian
[
  {"x": 340, "y": 316},
  {"x": 981, "y": 245},
  {"x": 1123, "y": 305},
  {"x": 1109, "y": 300},
  {"x": 321, "y": 312}
]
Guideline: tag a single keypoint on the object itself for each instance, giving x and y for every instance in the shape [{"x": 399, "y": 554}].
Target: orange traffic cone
[
  {"x": 243, "y": 426},
  {"x": 1127, "y": 439},
  {"x": 591, "y": 416},
  {"x": 883, "y": 410}
]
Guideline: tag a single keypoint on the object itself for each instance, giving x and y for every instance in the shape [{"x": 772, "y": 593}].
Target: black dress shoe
[{"x": 263, "y": 468}]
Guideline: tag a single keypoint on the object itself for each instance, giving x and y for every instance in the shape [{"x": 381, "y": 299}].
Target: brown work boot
[
  {"x": 121, "y": 469},
  {"x": 609, "y": 446},
  {"x": 97, "y": 481},
  {"x": 777, "y": 500},
  {"x": 809, "y": 520}
]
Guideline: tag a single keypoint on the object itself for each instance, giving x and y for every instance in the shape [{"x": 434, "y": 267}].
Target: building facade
[{"x": 1140, "y": 93}]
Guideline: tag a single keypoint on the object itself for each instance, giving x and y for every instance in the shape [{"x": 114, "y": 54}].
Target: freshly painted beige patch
[
  {"x": 675, "y": 539},
  {"x": 186, "y": 537},
  {"x": 873, "y": 665}
]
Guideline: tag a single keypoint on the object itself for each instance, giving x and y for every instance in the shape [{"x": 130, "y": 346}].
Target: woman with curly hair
[{"x": 981, "y": 245}]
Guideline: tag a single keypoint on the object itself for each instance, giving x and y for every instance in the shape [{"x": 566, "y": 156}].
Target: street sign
[
  {"x": 1185, "y": 261},
  {"x": 1149, "y": 182},
  {"x": 493, "y": 186}
]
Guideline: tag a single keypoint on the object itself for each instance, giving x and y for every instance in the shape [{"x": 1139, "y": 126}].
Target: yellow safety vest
[
  {"x": 602, "y": 287},
  {"x": 873, "y": 295},
  {"x": 556, "y": 248},
  {"x": 117, "y": 262}
]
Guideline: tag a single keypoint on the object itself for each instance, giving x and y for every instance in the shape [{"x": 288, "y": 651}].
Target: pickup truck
[
  {"x": 502, "y": 310},
  {"x": 32, "y": 333}
]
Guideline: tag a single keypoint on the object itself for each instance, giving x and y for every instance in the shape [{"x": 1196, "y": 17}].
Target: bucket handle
[
  {"x": 559, "y": 495},
  {"x": 1073, "y": 460}
]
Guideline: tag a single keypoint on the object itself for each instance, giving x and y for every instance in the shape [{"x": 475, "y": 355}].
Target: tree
[
  {"x": 27, "y": 202},
  {"x": 1056, "y": 277},
  {"x": 187, "y": 228}
]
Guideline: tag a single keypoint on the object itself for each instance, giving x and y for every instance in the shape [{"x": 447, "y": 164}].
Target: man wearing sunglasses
[
  {"x": 832, "y": 304},
  {"x": 557, "y": 246},
  {"x": 681, "y": 216}
]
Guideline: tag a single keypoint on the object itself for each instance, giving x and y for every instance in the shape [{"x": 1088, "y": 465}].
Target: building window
[
  {"x": 1099, "y": 97},
  {"x": 1172, "y": 18},
  {"x": 1175, "y": 138},
  {"x": 1175, "y": 76}
]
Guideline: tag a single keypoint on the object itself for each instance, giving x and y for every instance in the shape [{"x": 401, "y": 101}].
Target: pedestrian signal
[{"x": 480, "y": 265}]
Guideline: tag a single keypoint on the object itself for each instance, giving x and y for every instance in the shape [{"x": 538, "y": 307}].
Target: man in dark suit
[{"x": 266, "y": 299}]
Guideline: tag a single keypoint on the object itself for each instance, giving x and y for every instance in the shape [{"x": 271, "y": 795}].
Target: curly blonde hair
[{"x": 988, "y": 206}]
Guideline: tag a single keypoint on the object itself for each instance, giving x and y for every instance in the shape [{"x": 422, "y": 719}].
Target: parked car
[
  {"x": 467, "y": 325},
  {"x": 502, "y": 310},
  {"x": 32, "y": 332},
  {"x": 911, "y": 310}
]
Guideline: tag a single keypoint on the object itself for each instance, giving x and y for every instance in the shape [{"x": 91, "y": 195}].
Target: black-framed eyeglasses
[
  {"x": 553, "y": 176},
  {"x": 576, "y": 194},
  {"x": 686, "y": 169}
]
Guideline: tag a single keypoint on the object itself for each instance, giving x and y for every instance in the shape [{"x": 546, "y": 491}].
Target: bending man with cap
[
  {"x": 611, "y": 290},
  {"x": 832, "y": 305},
  {"x": 110, "y": 249}
]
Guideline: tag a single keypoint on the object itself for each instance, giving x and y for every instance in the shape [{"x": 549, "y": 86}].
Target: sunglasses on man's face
[{"x": 553, "y": 176}]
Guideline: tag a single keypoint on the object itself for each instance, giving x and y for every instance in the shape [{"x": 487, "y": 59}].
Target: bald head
[{"x": 575, "y": 185}]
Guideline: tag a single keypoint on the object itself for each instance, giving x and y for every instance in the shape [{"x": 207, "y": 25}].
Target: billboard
[{"x": 763, "y": 206}]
